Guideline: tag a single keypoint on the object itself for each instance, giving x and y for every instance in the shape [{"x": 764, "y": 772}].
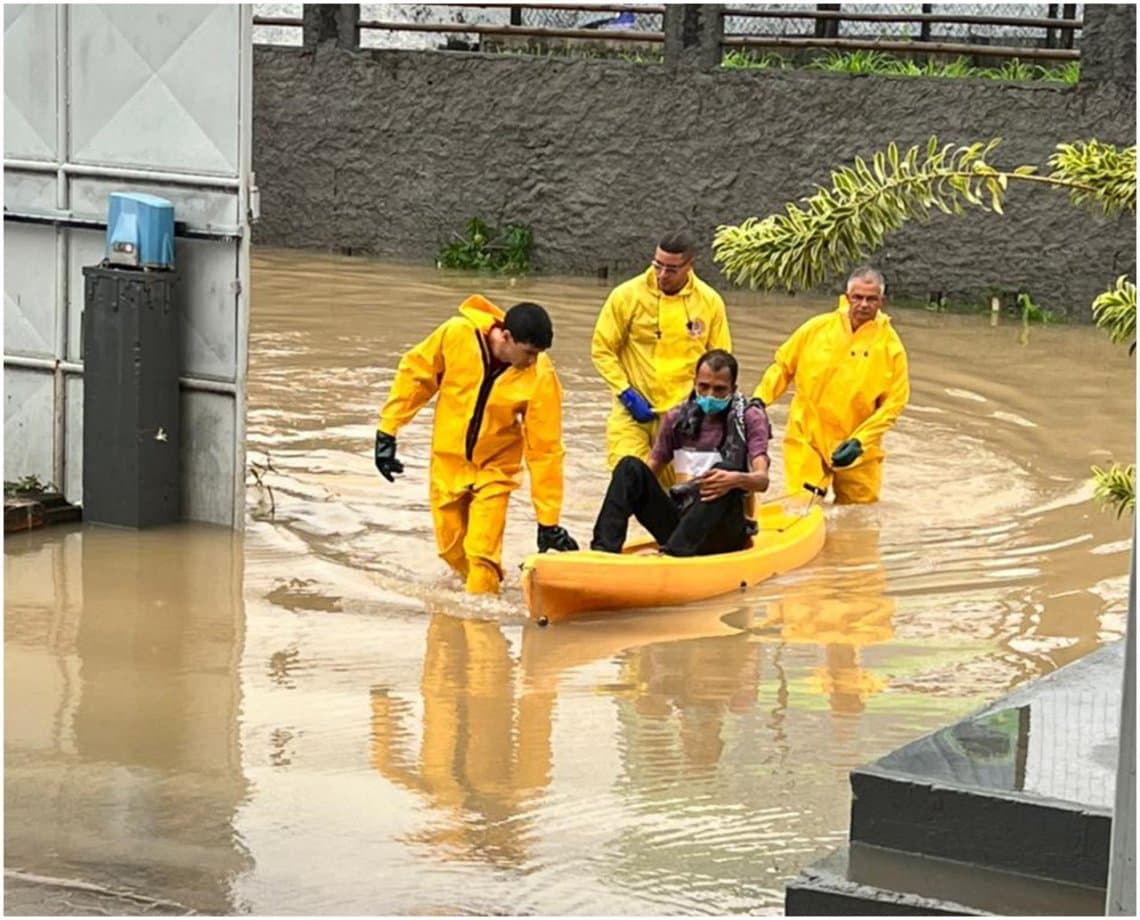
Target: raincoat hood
[{"x": 480, "y": 312}]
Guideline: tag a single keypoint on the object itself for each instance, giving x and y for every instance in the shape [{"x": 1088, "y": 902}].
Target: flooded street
[{"x": 313, "y": 718}]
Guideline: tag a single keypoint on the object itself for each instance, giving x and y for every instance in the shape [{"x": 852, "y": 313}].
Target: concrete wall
[{"x": 387, "y": 152}]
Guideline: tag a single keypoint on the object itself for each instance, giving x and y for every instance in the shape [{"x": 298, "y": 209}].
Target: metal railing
[
  {"x": 901, "y": 28},
  {"x": 830, "y": 27},
  {"x": 521, "y": 24},
  {"x": 278, "y": 24}
]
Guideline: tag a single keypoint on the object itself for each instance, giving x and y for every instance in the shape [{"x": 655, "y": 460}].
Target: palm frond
[
  {"x": 1115, "y": 488},
  {"x": 1099, "y": 173},
  {"x": 1115, "y": 311},
  {"x": 843, "y": 224}
]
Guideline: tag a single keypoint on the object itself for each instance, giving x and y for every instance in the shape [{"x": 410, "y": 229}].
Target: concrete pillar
[
  {"x": 1108, "y": 44},
  {"x": 336, "y": 22},
  {"x": 693, "y": 33}
]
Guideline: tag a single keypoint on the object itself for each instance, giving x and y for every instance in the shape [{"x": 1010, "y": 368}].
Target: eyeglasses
[{"x": 670, "y": 269}]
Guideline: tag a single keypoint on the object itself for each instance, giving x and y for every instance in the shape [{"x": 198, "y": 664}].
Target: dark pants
[{"x": 705, "y": 528}]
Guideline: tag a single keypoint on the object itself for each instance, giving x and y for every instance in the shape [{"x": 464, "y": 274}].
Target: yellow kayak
[{"x": 562, "y": 586}]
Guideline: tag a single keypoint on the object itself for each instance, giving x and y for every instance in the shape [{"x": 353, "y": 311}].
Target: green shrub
[
  {"x": 483, "y": 248},
  {"x": 883, "y": 64}
]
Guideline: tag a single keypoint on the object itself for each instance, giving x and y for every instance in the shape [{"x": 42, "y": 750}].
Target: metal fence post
[
  {"x": 336, "y": 22},
  {"x": 827, "y": 28},
  {"x": 348, "y": 32},
  {"x": 1068, "y": 11},
  {"x": 693, "y": 35}
]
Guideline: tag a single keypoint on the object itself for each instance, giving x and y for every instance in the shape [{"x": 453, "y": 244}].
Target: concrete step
[
  {"x": 863, "y": 880},
  {"x": 1024, "y": 786}
]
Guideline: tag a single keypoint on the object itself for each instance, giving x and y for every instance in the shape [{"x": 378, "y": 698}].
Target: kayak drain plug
[
  {"x": 543, "y": 621},
  {"x": 744, "y": 586}
]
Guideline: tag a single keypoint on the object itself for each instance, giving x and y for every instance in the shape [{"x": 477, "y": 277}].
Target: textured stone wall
[{"x": 387, "y": 152}]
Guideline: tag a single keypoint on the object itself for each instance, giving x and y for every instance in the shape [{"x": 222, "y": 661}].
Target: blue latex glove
[
  {"x": 846, "y": 453},
  {"x": 637, "y": 405}
]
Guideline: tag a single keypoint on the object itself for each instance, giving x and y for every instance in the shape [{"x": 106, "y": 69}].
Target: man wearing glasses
[
  {"x": 649, "y": 336},
  {"x": 850, "y": 372}
]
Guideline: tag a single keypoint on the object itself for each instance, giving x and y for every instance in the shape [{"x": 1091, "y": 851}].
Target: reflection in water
[
  {"x": 124, "y": 646},
  {"x": 681, "y": 694},
  {"x": 483, "y": 753},
  {"x": 987, "y": 752},
  {"x": 277, "y": 726},
  {"x": 842, "y": 613},
  {"x": 1060, "y": 744}
]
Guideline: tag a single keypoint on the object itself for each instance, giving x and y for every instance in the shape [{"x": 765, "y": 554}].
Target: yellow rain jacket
[
  {"x": 652, "y": 341},
  {"x": 847, "y": 385},
  {"x": 485, "y": 425}
]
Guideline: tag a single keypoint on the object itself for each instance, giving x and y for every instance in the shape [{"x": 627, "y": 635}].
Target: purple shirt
[{"x": 692, "y": 456}]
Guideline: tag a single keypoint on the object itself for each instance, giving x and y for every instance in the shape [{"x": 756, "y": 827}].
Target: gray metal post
[
  {"x": 336, "y": 22},
  {"x": 693, "y": 35},
  {"x": 1121, "y": 900}
]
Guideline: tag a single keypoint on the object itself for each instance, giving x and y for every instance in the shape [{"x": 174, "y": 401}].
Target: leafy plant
[
  {"x": 881, "y": 63},
  {"x": 1115, "y": 487},
  {"x": 853, "y": 62},
  {"x": 1068, "y": 73},
  {"x": 27, "y": 485},
  {"x": 843, "y": 224},
  {"x": 746, "y": 60},
  {"x": 1030, "y": 312},
  {"x": 1015, "y": 69},
  {"x": 1099, "y": 173},
  {"x": 483, "y": 248},
  {"x": 958, "y": 68},
  {"x": 1115, "y": 312},
  {"x": 908, "y": 67}
]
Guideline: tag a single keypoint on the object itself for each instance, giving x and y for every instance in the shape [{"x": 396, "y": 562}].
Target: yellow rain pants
[
  {"x": 847, "y": 385},
  {"x": 484, "y": 749},
  {"x": 841, "y": 609},
  {"x": 485, "y": 425},
  {"x": 652, "y": 341}
]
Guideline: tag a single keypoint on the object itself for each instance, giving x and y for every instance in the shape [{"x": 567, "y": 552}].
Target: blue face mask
[{"x": 710, "y": 405}]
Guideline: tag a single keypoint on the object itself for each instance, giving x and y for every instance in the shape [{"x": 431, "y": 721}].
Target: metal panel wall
[{"x": 148, "y": 98}]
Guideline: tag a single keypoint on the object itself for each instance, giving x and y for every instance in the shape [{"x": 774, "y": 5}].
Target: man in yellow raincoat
[
  {"x": 499, "y": 401},
  {"x": 652, "y": 330},
  {"x": 851, "y": 384}
]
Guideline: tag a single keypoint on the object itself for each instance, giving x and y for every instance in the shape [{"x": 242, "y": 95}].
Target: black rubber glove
[
  {"x": 846, "y": 453},
  {"x": 555, "y": 537},
  {"x": 386, "y": 461}
]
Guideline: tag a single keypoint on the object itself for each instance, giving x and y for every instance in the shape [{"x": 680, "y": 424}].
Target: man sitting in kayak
[{"x": 718, "y": 443}]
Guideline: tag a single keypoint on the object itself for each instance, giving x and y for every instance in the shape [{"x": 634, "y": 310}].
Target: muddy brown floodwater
[{"x": 312, "y": 718}]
